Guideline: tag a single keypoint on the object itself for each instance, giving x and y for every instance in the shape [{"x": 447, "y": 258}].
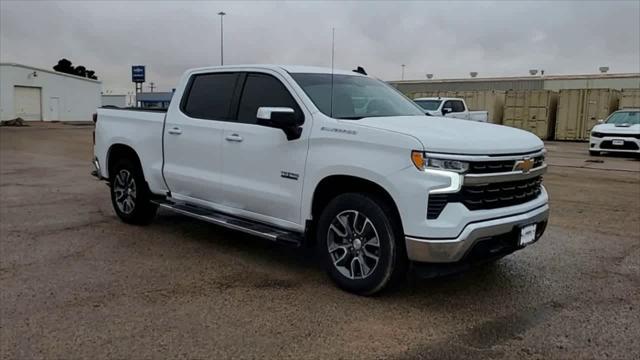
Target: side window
[
  {"x": 458, "y": 106},
  {"x": 263, "y": 90},
  {"x": 210, "y": 96}
]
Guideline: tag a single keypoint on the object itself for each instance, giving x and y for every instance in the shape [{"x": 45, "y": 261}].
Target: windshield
[
  {"x": 355, "y": 97},
  {"x": 624, "y": 117},
  {"x": 430, "y": 105}
]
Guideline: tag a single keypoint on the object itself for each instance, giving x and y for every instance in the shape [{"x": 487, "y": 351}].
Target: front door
[
  {"x": 263, "y": 172},
  {"x": 193, "y": 135},
  {"x": 54, "y": 109}
]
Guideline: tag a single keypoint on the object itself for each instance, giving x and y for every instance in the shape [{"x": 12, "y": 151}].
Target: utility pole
[
  {"x": 403, "y": 65},
  {"x": 152, "y": 86},
  {"x": 222, "y": 13}
]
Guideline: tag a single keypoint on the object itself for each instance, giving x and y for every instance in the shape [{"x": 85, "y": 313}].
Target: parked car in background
[
  {"x": 450, "y": 107},
  {"x": 619, "y": 133},
  {"x": 303, "y": 155}
]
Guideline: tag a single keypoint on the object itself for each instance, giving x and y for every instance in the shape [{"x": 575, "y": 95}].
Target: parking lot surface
[{"x": 75, "y": 282}]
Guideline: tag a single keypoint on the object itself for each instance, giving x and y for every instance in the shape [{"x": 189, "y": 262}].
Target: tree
[{"x": 65, "y": 66}]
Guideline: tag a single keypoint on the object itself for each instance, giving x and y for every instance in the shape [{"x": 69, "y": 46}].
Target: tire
[
  {"x": 594, "y": 153},
  {"x": 130, "y": 195},
  {"x": 344, "y": 249}
]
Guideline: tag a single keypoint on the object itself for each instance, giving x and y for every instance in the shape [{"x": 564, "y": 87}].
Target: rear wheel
[
  {"x": 130, "y": 195},
  {"x": 361, "y": 244}
]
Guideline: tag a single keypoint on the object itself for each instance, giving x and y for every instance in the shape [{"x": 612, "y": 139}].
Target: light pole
[
  {"x": 403, "y": 65},
  {"x": 222, "y": 13}
]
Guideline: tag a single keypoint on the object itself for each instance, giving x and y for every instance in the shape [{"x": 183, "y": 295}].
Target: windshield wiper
[{"x": 350, "y": 117}]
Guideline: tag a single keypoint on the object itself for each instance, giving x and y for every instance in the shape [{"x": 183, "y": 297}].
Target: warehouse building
[
  {"x": 154, "y": 100},
  {"x": 547, "y": 82},
  {"x": 36, "y": 94},
  {"x": 117, "y": 100}
]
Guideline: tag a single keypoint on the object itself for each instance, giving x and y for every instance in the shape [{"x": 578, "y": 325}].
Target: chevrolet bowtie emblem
[{"x": 524, "y": 165}]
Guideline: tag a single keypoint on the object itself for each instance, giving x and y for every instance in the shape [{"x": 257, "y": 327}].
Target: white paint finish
[
  {"x": 449, "y": 135},
  {"x": 54, "y": 108},
  {"x": 243, "y": 178},
  {"x": 140, "y": 130},
  {"x": 28, "y": 102},
  {"x": 78, "y": 97}
]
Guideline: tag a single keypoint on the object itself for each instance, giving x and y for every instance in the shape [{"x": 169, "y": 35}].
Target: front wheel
[
  {"x": 130, "y": 195},
  {"x": 594, "y": 153},
  {"x": 361, "y": 243}
]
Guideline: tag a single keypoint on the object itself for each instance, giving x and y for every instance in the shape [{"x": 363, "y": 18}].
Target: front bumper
[
  {"x": 449, "y": 250},
  {"x": 605, "y": 143}
]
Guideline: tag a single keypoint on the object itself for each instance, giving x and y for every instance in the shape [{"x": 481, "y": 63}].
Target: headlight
[
  {"x": 597, "y": 134},
  {"x": 421, "y": 161}
]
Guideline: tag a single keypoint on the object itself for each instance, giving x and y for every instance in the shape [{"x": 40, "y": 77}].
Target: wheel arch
[
  {"x": 334, "y": 185},
  {"x": 119, "y": 151}
]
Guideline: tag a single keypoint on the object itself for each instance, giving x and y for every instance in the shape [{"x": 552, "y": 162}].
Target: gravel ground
[{"x": 75, "y": 282}]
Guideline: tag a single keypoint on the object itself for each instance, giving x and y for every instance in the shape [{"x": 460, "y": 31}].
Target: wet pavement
[{"x": 75, "y": 282}]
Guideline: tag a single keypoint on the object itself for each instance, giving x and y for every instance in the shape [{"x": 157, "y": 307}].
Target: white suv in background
[{"x": 620, "y": 132}]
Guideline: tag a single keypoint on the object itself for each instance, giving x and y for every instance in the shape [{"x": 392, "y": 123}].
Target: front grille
[
  {"x": 499, "y": 195},
  {"x": 628, "y": 145},
  {"x": 601, "y": 135},
  {"x": 484, "y": 197},
  {"x": 498, "y": 166}
]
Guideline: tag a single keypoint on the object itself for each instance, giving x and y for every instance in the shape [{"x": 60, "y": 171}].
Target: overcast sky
[{"x": 448, "y": 39}]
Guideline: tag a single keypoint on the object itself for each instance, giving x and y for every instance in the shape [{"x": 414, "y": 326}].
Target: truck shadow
[{"x": 487, "y": 279}]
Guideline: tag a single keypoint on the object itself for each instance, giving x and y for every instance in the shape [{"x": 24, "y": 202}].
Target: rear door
[
  {"x": 263, "y": 172},
  {"x": 193, "y": 136}
]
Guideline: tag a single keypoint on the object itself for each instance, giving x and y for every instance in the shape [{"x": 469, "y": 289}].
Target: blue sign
[{"x": 137, "y": 73}]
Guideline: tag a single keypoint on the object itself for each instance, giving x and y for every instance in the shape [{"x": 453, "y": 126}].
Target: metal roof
[
  {"x": 521, "y": 78},
  {"x": 51, "y": 72}
]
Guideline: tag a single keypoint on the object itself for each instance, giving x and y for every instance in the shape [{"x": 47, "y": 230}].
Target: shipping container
[
  {"x": 482, "y": 100},
  {"x": 531, "y": 110},
  {"x": 630, "y": 98},
  {"x": 580, "y": 109},
  {"x": 485, "y": 100}
]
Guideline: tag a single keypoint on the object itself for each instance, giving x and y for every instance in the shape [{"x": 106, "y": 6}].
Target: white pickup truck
[
  {"x": 341, "y": 161},
  {"x": 450, "y": 107}
]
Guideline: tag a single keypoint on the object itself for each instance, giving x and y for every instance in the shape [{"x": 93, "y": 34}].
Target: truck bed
[{"x": 140, "y": 129}]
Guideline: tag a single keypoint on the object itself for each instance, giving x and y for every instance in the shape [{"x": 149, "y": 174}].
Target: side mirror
[
  {"x": 283, "y": 118},
  {"x": 446, "y": 110},
  {"x": 601, "y": 121}
]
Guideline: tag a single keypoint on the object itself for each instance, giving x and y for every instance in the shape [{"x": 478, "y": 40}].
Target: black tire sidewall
[
  {"x": 372, "y": 208},
  {"x": 143, "y": 210}
]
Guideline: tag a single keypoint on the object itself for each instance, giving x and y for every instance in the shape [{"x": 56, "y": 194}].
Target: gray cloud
[{"x": 448, "y": 39}]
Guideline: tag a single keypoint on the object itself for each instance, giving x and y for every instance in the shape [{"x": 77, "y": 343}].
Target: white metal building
[
  {"x": 119, "y": 100},
  {"x": 38, "y": 94}
]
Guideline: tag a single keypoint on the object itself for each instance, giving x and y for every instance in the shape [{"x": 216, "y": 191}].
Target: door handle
[
  {"x": 175, "y": 131},
  {"x": 234, "y": 138}
]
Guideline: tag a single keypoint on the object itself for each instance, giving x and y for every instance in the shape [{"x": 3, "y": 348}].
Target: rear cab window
[{"x": 210, "y": 96}]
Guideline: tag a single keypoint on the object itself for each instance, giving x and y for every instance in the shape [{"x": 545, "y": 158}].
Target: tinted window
[
  {"x": 210, "y": 96},
  {"x": 455, "y": 105},
  {"x": 430, "y": 105},
  {"x": 263, "y": 90}
]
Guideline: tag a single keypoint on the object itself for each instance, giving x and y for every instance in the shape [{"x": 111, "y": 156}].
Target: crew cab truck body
[
  {"x": 342, "y": 161},
  {"x": 450, "y": 107},
  {"x": 618, "y": 133}
]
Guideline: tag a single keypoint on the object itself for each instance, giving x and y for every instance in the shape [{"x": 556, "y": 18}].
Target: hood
[
  {"x": 455, "y": 136},
  {"x": 617, "y": 129}
]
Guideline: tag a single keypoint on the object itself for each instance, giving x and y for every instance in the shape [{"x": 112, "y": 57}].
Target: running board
[{"x": 247, "y": 226}]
